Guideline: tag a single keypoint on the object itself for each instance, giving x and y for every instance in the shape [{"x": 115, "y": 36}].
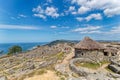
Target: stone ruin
[{"x": 89, "y": 48}]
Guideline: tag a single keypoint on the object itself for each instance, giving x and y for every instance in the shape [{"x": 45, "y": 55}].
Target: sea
[{"x": 4, "y": 47}]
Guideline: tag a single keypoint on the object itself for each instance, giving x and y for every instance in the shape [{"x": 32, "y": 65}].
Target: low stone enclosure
[
  {"x": 84, "y": 71},
  {"x": 80, "y": 70}
]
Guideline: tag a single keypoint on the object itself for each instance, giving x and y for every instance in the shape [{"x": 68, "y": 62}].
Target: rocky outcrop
[
  {"x": 96, "y": 76},
  {"x": 60, "y": 68},
  {"x": 3, "y": 78},
  {"x": 115, "y": 66},
  {"x": 99, "y": 76}
]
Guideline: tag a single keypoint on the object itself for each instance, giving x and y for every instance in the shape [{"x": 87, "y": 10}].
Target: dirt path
[
  {"x": 50, "y": 75},
  {"x": 68, "y": 57},
  {"x": 102, "y": 68}
]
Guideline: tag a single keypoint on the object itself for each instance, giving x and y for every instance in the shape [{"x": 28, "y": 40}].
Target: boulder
[
  {"x": 98, "y": 77},
  {"x": 3, "y": 78},
  {"x": 114, "y": 68}
]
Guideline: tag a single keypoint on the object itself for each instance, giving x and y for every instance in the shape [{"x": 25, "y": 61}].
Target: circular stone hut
[{"x": 89, "y": 48}]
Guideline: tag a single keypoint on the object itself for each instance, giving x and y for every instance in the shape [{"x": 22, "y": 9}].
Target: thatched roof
[{"x": 89, "y": 44}]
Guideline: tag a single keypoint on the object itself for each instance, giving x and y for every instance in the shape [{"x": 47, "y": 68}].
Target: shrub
[{"x": 14, "y": 49}]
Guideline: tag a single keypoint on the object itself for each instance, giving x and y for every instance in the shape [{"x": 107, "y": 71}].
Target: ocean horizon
[{"x": 4, "y": 47}]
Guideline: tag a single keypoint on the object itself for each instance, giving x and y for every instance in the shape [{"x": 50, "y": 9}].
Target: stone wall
[
  {"x": 96, "y": 55},
  {"x": 80, "y": 70}
]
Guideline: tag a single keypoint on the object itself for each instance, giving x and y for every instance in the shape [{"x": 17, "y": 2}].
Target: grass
[
  {"x": 91, "y": 65},
  {"x": 75, "y": 75},
  {"x": 104, "y": 62},
  {"x": 35, "y": 72},
  {"x": 60, "y": 55},
  {"x": 88, "y": 65},
  {"x": 62, "y": 78},
  {"x": 58, "y": 73}
]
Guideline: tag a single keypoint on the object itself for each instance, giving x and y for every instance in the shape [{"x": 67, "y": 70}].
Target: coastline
[{"x": 26, "y": 46}]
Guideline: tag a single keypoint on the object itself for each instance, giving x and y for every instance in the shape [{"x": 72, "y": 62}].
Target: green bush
[{"x": 14, "y": 50}]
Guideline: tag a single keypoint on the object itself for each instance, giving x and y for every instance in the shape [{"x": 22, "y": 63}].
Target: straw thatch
[{"x": 89, "y": 44}]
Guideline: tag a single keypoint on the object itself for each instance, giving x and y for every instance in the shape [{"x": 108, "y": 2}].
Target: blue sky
[{"x": 48, "y": 20}]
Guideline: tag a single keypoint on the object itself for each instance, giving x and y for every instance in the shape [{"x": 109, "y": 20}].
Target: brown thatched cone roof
[{"x": 89, "y": 44}]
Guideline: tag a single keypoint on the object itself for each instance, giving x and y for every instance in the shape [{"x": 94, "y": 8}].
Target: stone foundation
[{"x": 80, "y": 70}]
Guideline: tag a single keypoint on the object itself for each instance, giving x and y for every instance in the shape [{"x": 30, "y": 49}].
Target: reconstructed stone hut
[{"x": 89, "y": 48}]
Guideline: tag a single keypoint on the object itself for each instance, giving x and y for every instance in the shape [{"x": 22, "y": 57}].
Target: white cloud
[
  {"x": 48, "y": 11},
  {"x": 38, "y": 10},
  {"x": 53, "y": 27},
  {"x": 112, "y": 12},
  {"x": 40, "y": 15},
  {"x": 91, "y": 32},
  {"x": 80, "y": 19},
  {"x": 79, "y": 2},
  {"x": 94, "y": 16},
  {"x": 71, "y": 8},
  {"x": 115, "y": 30},
  {"x": 83, "y": 10},
  {"x": 88, "y": 29},
  {"x": 73, "y": 12},
  {"x": 18, "y": 27},
  {"x": 65, "y": 27},
  {"x": 98, "y": 30},
  {"x": 109, "y": 7},
  {"x": 90, "y": 17},
  {"x": 23, "y": 16},
  {"x": 51, "y": 11}
]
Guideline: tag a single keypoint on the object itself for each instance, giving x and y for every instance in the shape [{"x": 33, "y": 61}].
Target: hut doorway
[{"x": 106, "y": 54}]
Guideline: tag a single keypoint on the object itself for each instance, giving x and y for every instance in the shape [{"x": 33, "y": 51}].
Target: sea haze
[{"x": 25, "y": 46}]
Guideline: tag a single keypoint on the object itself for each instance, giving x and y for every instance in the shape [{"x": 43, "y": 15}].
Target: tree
[{"x": 14, "y": 49}]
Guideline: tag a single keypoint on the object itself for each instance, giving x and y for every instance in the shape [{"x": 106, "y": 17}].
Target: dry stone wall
[{"x": 80, "y": 70}]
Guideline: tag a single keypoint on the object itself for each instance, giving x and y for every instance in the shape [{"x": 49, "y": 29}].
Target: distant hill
[
  {"x": 62, "y": 41},
  {"x": 72, "y": 42}
]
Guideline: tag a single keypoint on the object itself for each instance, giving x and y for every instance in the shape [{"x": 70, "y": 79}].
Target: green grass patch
[
  {"x": 104, "y": 62},
  {"x": 88, "y": 65},
  {"x": 36, "y": 72},
  {"x": 91, "y": 65},
  {"x": 62, "y": 78},
  {"x": 60, "y": 55}
]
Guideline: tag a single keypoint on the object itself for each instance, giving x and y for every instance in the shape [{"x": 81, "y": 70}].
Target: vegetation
[
  {"x": 14, "y": 49},
  {"x": 88, "y": 65},
  {"x": 62, "y": 41},
  {"x": 37, "y": 72},
  {"x": 60, "y": 55},
  {"x": 104, "y": 62},
  {"x": 91, "y": 65},
  {"x": 75, "y": 75},
  {"x": 62, "y": 78}
]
